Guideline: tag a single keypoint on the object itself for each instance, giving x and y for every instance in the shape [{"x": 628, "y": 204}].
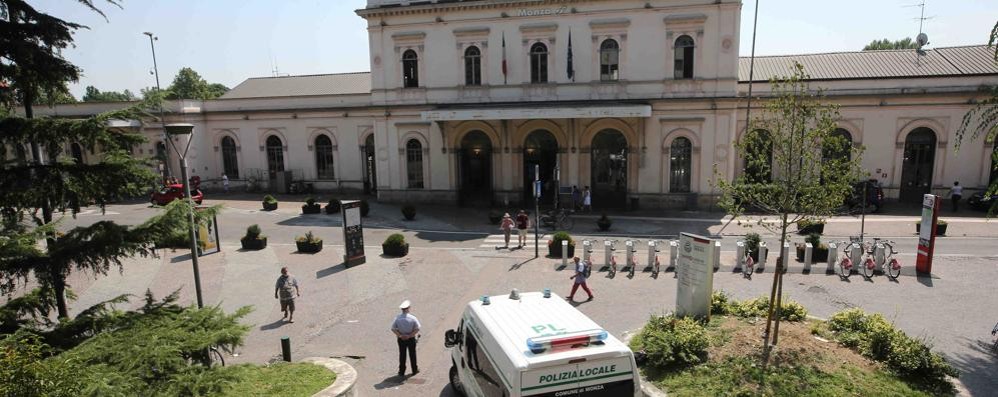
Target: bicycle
[
  {"x": 558, "y": 219},
  {"x": 211, "y": 357},
  {"x": 890, "y": 265},
  {"x": 613, "y": 259},
  {"x": 657, "y": 266},
  {"x": 634, "y": 260},
  {"x": 846, "y": 265}
]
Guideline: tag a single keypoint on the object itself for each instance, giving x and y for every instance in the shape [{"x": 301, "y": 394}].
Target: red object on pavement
[
  {"x": 174, "y": 192},
  {"x": 927, "y": 233}
]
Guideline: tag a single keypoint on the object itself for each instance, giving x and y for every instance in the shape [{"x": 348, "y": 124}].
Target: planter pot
[
  {"x": 409, "y": 215},
  {"x": 812, "y": 228},
  {"x": 311, "y": 209},
  {"x": 269, "y": 206},
  {"x": 555, "y": 252},
  {"x": 395, "y": 251},
  {"x": 818, "y": 254},
  {"x": 603, "y": 226},
  {"x": 332, "y": 209},
  {"x": 254, "y": 244},
  {"x": 940, "y": 229},
  {"x": 309, "y": 248}
]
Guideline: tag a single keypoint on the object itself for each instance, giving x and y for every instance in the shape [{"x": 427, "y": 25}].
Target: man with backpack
[
  {"x": 582, "y": 271},
  {"x": 522, "y": 224},
  {"x": 286, "y": 290}
]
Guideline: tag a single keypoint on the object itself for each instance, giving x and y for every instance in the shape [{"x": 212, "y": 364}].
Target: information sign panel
[
  {"x": 927, "y": 233},
  {"x": 695, "y": 272},
  {"x": 353, "y": 233}
]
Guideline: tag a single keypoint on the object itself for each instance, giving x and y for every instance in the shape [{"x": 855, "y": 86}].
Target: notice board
[{"x": 353, "y": 233}]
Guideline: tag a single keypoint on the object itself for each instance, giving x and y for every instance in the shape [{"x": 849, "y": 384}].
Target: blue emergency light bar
[{"x": 539, "y": 344}]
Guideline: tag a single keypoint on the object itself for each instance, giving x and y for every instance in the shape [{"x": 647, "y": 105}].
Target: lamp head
[
  {"x": 147, "y": 34},
  {"x": 179, "y": 129}
]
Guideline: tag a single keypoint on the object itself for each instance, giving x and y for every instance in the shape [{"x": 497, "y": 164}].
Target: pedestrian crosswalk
[{"x": 499, "y": 241}]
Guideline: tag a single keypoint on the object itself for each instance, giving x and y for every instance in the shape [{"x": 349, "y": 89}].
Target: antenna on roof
[{"x": 922, "y": 39}]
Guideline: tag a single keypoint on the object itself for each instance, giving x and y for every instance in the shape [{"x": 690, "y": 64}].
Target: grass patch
[{"x": 279, "y": 379}]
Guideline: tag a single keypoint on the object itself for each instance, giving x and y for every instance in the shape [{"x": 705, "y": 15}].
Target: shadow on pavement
[
  {"x": 450, "y": 237},
  {"x": 313, "y": 220},
  {"x": 925, "y": 280},
  {"x": 389, "y": 382},
  {"x": 274, "y": 325},
  {"x": 329, "y": 271},
  {"x": 516, "y": 266},
  {"x": 978, "y": 366}
]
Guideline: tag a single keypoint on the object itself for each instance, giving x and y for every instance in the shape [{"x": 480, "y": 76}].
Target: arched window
[
  {"x": 230, "y": 161},
  {"x": 324, "y": 158},
  {"x": 684, "y": 58},
  {"x": 472, "y": 66},
  {"x": 414, "y": 163},
  {"x": 275, "y": 156},
  {"x": 609, "y": 60},
  {"x": 538, "y": 63},
  {"x": 758, "y": 156},
  {"x": 77, "y": 151},
  {"x": 410, "y": 69},
  {"x": 680, "y": 165}
]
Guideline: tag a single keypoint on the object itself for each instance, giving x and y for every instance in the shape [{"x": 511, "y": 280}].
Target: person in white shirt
[
  {"x": 225, "y": 182},
  {"x": 955, "y": 194},
  {"x": 406, "y": 330}
]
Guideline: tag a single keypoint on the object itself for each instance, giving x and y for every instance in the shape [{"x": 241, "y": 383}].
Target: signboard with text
[
  {"x": 695, "y": 272},
  {"x": 353, "y": 233},
  {"x": 927, "y": 233},
  {"x": 207, "y": 236}
]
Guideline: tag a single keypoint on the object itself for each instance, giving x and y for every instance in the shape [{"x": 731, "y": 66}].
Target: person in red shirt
[{"x": 522, "y": 224}]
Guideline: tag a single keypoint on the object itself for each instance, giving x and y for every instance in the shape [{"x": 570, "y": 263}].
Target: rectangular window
[
  {"x": 485, "y": 374},
  {"x": 414, "y": 166},
  {"x": 324, "y": 162}
]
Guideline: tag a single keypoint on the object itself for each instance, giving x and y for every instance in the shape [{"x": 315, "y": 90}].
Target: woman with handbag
[{"x": 507, "y": 228}]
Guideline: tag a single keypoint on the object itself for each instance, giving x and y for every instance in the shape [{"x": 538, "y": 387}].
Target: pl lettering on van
[
  {"x": 523, "y": 12},
  {"x": 571, "y": 375},
  {"x": 547, "y": 329}
]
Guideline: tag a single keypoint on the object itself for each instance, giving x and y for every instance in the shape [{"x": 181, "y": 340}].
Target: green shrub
[
  {"x": 558, "y": 237},
  {"x": 268, "y": 199},
  {"x": 874, "y": 337},
  {"x": 395, "y": 240},
  {"x": 752, "y": 241},
  {"x": 409, "y": 212},
  {"x": 310, "y": 201},
  {"x": 719, "y": 303},
  {"x": 941, "y": 222},
  {"x": 253, "y": 232},
  {"x": 308, "y": 238},
  {"x": 759, "y": 307},
  {"x": 814, "y": 239},
  {"x": 668, "y": 342}
]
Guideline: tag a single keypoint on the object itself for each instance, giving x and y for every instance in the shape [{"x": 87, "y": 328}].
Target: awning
[{"x": 529, "y": 113}]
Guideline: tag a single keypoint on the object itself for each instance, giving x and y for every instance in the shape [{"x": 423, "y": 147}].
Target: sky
[{"x": 228, "y": 41}]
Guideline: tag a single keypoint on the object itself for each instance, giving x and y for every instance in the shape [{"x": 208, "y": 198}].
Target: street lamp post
[
  {"x": 155, "y": 69},
  {"x": 184, "y": 129}
]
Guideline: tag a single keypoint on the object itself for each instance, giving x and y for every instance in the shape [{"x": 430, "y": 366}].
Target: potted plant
[
  {"x": 333, "y": 206},
  {"x": 819, "y": 252},
  {"x": 810, "y": 226},
  {"x": 395, "y": 246},
  {"x": 603, "y": 223},
  {"x": 311, "y": 207},
  {"x": 308, "y": 243},
  {"x": 269, "y": 203},
  {"x": 941, "y": 226},
  {"x": 554, "y": 245},
  {"x": 495, "y": 216},
  {"x": 409, "y": 212},
  {"x": 253, "y": 240},
  {"x": 364, "y": 208},
  {"x": 752, "y": 241}
]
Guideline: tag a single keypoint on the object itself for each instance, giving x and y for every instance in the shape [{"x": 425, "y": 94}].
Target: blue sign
[{"x": 537, "y": 189}]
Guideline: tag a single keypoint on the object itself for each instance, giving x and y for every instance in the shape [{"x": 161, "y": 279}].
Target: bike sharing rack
[
  {"x": 652, "y": 253},
  {"x": 564, "y": 254},
  {"x": 673, "y": 254},
  {"x": 808, "y": 254},
  {"x": 629, "y": 255},
  {"x": 833, "y": 256},
  {"x": 763, "y": 255},
  {"x": 587, "y": 250},
  {"x": 739, "y": 256}
]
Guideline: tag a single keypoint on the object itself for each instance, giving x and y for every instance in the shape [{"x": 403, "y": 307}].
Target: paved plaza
[{"x": 346, "y": 313}]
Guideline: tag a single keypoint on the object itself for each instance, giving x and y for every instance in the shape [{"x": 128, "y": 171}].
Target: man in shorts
[
  {"x": 522, "y": 224},
  {"x": 286, "y": 290}
]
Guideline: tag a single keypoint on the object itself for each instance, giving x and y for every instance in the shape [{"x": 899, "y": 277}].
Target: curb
[
  {"x": 647, "y": 388},
  {"x": 346, "y": 378}
]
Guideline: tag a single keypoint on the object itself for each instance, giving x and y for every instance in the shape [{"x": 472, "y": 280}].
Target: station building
[{"x": 641, "y": 100}]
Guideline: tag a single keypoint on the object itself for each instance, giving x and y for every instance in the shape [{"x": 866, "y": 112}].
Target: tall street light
[
  {"x": 155, "y": 69},
  {"x": 186, "y": 130}
]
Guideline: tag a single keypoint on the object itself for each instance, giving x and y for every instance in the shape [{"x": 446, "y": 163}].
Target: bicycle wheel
[
  {"x": 845, "y": 267},
  {"x": 568, "y": 223},
  {"x": 869, "y": 268},
  {"x": 894, "y": 269},
  {"x": 215, "y": 357}
]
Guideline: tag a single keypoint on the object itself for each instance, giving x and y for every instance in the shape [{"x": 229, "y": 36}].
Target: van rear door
[{"x": 604, "y": 377}]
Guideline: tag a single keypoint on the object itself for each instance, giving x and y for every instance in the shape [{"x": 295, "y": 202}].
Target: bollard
[
  {"x": 286, "y": 348},
  {"x": 587, "y": 250},
  {"x": 629, "y": 245},
  {"x": 786, "y": 257},
  {"x": 856, "y": 254},
  {"x": 739, "y": 256},
  {"x": 564, "y": 254},
  {"x": 717, "y": 255},
  {"x": 763, "y": 255},
  {"x": 673, "y": 254},
  {"x": 879, "y": 254},
  {"x": 607, "y": 252},
  {"x": 652, "y": 249},
  {"x": 833, "y": 256},
  {"x": 808, "y": 254}
]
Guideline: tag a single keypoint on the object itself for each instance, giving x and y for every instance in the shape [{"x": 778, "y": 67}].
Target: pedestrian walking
[
  {"x": 406, "y": 330},
  {"x": 582, "y": 269},
  {"x": 225, "y": 183},
  {"x": 955, "y": 194},
  {"x": 576, "y": 198},
  {"x": 587, "y": 200},
  {"x": 286, "y": 290},
  {"x": 522, "y": 224},
  {"x": 507, "y": 227}
]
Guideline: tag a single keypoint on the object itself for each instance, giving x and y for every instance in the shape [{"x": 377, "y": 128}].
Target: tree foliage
[
  {"x": 887, "y": 44},
  {"x": 92, "y": 94},
  {"x": 982, "y": 121},
  {"x": 188, "y": 84}
]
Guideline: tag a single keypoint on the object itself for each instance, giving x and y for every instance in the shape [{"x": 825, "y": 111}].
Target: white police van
[{"x": 536, "y": 344}]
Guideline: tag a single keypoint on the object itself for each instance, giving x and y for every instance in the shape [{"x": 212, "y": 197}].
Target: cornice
[{"x": 459, "y": 6}]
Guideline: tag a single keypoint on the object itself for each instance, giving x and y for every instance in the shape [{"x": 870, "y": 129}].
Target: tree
[
  {"x": 94, "y": 95},
  {"x": 886, "y": 44},
  {"x": 188, "y": 84},
  {"x": 789, "y": 172},
  {"x": 983, "y": 121}
]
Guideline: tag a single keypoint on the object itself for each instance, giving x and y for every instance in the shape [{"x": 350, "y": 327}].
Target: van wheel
[{"x": 455, "y": 382}]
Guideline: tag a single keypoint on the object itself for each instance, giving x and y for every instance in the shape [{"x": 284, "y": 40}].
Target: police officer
[{"x": 406, "y": 330}]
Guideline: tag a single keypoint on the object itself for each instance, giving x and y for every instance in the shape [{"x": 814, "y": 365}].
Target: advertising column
[
  {"x": 695, "y": 272},
  {"x": 927, "y": 233},
  {"x": 353, "y": 234}
]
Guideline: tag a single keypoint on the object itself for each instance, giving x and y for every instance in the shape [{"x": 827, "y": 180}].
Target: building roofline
[{"x": 859, "y": 52}]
